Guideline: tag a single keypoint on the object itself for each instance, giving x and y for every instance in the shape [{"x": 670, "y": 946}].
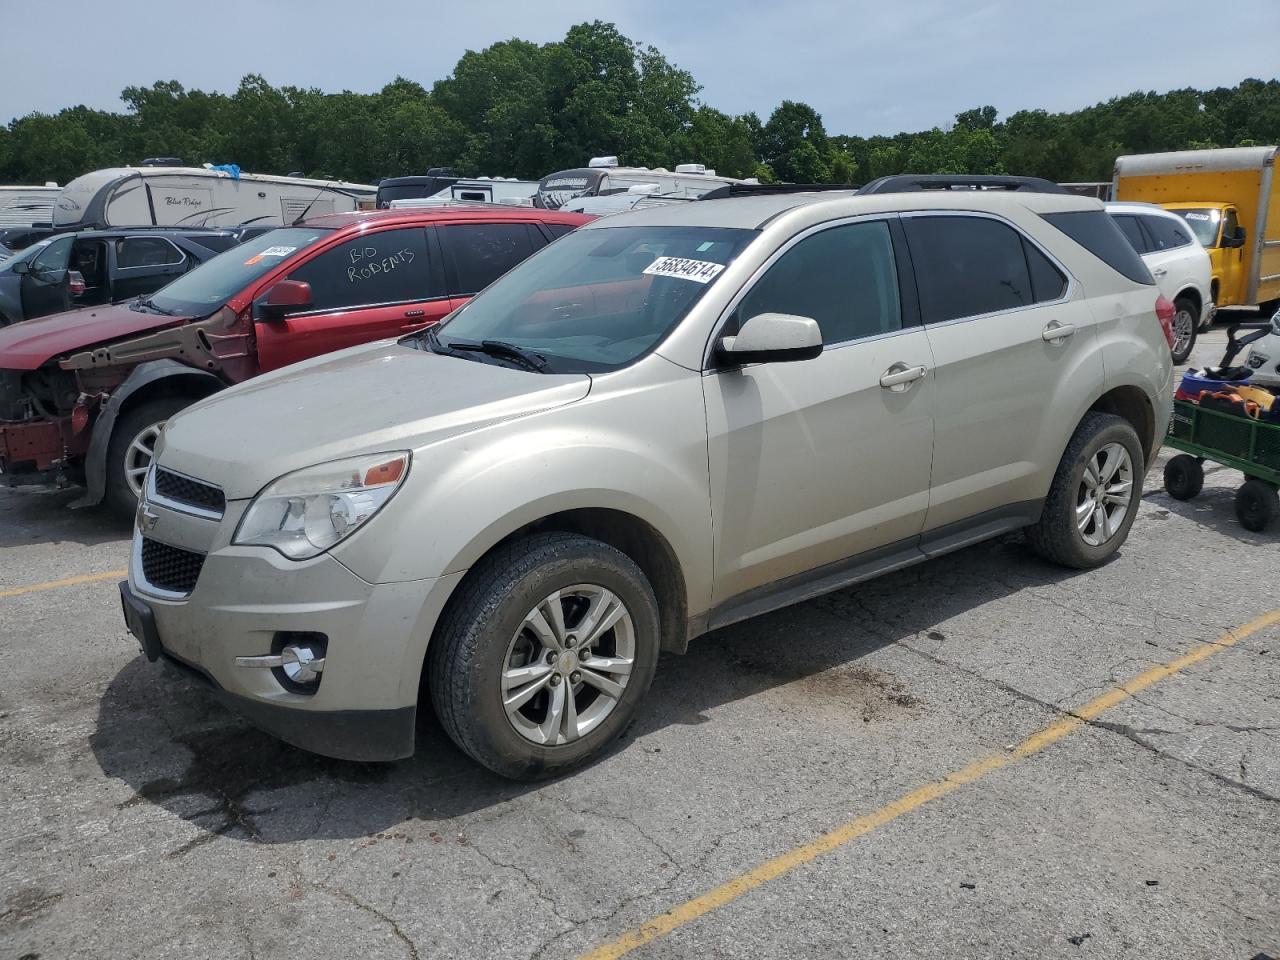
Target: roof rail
[
  {"x": 913, "y": 183},
  {"x": 753, "y": 189}
]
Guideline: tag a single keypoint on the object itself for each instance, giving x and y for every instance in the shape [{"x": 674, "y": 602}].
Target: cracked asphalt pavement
[{"x": 139, "y": 819}]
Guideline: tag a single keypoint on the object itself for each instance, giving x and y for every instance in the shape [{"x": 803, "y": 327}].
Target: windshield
[
  {"x": 23, "y": 256},
  {"x": 597, "y": 299},
  {"x": 1203, "y": 223},
  {"x": 209, "y": 286}
]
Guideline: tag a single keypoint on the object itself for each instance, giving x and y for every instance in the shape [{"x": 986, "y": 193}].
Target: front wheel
[
  {"x": 1094, "y": 496},
  {"x": 132, "y": 446},
  {"x": 1186, "y": 321},
  {"x": 544, "y": 655}
]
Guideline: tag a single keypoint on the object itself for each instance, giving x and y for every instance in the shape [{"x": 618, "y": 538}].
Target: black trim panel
[{"x": 871, "y": 563}]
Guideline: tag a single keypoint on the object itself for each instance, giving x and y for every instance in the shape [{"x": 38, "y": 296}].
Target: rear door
[
  {"x": 44, "y": 285},
  {"x": 476, "y": 254},
  {"x": 364, "y": 288},
  {"x": 143, "y": 264},
  {"x": 1012, "y": 343}
]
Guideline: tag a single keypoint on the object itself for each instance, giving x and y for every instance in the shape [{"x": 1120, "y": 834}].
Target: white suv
[
  {"x": 1179, "y": 264},
  {"x": 663, "y": 423}
]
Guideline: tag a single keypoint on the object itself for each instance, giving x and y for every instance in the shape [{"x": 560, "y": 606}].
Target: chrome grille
[
  {"x": 170, "y": 568},
  {"x": 187, "y": 491}
]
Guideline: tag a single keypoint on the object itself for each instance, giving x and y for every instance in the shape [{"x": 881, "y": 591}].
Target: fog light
[{"x": 298, "y": 663}]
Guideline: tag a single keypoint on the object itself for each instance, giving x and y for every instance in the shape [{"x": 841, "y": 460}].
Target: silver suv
[{"x": 661, "y": 424}]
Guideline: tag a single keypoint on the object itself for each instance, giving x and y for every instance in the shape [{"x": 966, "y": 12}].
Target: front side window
[
  {"x": 967, "y": 266},
  {"x": 53, "y": 258},
  {"x": 482, "y": 252},
  {"x": 377, "y": 268},
  {"x": 210, "y": 285},
  {"x": 597, "y": 299},
  {"x": 146, "y": 252},
  {"x": 1167, "y": 233},
  {"x": 844, "y": 277}
]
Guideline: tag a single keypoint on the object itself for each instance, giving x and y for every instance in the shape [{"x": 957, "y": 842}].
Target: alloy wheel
[
  {"x": 568, "y": 664},
  {"x": 1105, "y": 495},
  {"x": 1184, "y": 325},
  {"x": 137, "y": 459}
]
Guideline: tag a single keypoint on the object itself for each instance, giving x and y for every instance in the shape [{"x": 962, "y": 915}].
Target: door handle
[
  {"x": 415, "y": 313},
  {"x": 899, "y": 377},
  {"x": 1159, "y": 272},
  {"x": 1056, "y": 332}
]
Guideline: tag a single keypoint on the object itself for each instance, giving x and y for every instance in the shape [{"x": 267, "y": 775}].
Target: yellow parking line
[
  {"x": 68, "y": 582},
  {"x": 786, "y": 862}
]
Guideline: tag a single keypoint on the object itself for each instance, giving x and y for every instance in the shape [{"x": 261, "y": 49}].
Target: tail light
[
  {"x": 75, "y": 282},
  {"x": 1164, "y": 313}
]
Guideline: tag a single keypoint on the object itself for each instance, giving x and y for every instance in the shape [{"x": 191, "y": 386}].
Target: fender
[{"x": 142, "y": 376}]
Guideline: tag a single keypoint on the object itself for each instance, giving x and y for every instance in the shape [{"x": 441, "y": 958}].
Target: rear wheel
[
  {"x": 131, "y": 449},
  {"x": 544, "y": 655},
  {"x": 1257, "y": 504},
  {"x": 1183, "y": 477},
  {"x": 1094, "y": 495},
  {"x": 1186, "y": 320}
]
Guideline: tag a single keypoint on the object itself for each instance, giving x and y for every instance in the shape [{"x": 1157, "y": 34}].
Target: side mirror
[
  {"x": 772, "y": 337},
  {"x": 1237, "y": 240},
  {"x": 21, "y": 267},
  {"x": 286, "y": 297}
]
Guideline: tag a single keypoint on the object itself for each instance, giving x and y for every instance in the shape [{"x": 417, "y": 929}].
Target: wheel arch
[
  {"x": 1132, "y": 404},
  {"x": 147, "y": 381},
  {"x": 1190, "y": 292}
]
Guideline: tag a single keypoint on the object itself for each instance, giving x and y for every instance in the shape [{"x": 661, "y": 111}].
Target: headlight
[{"x": 306, "y": 512}]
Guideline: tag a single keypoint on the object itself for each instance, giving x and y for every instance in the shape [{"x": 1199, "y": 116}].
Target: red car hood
[{"x": 27, "y": 345}]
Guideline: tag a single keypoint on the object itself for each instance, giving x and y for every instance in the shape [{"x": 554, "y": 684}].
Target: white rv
[
  {"x": 27, "y": 206},
  {"x": 603, "y": 177},
  {"x": 509, "y": 192},
  {"x": 199, "y": 197}
]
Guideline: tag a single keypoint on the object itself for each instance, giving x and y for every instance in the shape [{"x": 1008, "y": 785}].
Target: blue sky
[{"x": 868, "y": 66}]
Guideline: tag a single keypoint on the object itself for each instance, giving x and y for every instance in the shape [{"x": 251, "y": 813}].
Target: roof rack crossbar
[{"x": 914, "y": 183}]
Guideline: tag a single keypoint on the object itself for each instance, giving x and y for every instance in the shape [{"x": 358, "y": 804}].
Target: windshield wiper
[
  {"x": 501, "y": 349},
  {"x": 147, "y": 304}
]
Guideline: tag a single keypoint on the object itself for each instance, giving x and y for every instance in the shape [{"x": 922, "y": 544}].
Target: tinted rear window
[
  {"x": 1167, "y": 233},
  {"x": 1097, "y": 232}
]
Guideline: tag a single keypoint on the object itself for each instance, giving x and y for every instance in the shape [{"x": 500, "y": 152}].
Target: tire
[
  {"x": 1186, "y": 324},
  {"x": 1058, "y": 535},
  {"x": 1183, "y": 477},
  {"x": 118, "y": 495},
  {"x": 485, "y": 629},
  {"x": 1257, "y": 504}
]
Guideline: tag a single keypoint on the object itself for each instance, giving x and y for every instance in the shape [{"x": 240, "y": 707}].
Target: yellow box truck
[{"x": 1230, "y": 201}]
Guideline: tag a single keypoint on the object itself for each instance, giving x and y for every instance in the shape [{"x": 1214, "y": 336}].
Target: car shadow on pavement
[
  {"x": 43, "y": 516},
  {"x": 175, "y": 746}
]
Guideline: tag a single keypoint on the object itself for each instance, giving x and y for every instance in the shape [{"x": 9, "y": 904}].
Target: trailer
[
  {"x": 200, "y": 197},
  {"x": 27, "y": 206}
]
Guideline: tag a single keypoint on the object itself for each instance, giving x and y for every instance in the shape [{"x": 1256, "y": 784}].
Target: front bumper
[{"x": 366, "y": 702}]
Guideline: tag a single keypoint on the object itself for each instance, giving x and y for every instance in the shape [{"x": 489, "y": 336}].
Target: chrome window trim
[
  {"x": 182, "y": 255},
  {"x": 1068, "y": 292},
  {"x": 338, "y": 311},
  {"x": 708, "y": 356},
  {"x": 177, "y": 506}
]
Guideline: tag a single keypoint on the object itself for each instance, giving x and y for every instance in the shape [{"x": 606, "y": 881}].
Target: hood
[
  {"x": 367, "y": 399},
  {"x": 31, "y": 343}
]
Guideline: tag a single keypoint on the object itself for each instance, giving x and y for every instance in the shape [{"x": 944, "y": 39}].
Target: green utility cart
[{"x": 1250, "y": 446}]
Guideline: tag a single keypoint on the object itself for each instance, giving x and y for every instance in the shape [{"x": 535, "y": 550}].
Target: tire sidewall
[
  {"x": 1180, "y": 304},
  {"x": 116, "y": 493},
  {"x": 1117, "y": 432},
  {"x": 515, "y": 755}
]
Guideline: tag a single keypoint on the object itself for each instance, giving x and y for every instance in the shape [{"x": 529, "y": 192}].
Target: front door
[
  {"x": 367, "y": 288},
  {"x": 814, "y": 461},
  {"x": 44, "y": 285},
  {"x": 1012, "y": 343},
  {"x": 1234, "y": 288}
]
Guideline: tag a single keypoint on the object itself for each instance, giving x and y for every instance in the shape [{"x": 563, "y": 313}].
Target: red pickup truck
[{"x": 84, "y": 395}]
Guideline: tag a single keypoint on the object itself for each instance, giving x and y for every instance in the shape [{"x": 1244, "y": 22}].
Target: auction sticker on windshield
[
  {"x": 699, "y": 271},
  {"x": 270, "y": 252}
]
